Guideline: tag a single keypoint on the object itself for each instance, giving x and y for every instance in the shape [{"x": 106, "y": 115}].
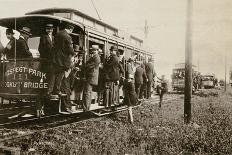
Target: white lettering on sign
[
  {"x": 36, "y": 85},
  {"x": 25, "y": 70}
]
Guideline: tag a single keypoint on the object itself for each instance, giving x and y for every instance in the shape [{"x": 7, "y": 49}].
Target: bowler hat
[
  {"x": 9, "y": 31},
  {"x": 76, "y": 47},
  {"x": 113, "y": 48},
  {"x": 69, "y": 26},
  {"x": 26, "y": 30},
  {"x": 94, "y": 47},
  {"x": 130, "y": 60},
  {"x": 49, "y": 25}
]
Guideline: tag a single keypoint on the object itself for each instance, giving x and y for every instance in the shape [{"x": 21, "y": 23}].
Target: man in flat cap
[
  {"x": 92, "y": 73},
  {"x": 21, "y": 44},
  {"x": 62, "y": 58}
]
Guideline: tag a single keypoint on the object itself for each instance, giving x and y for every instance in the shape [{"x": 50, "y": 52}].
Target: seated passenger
[{"x": 21, "y": 44}]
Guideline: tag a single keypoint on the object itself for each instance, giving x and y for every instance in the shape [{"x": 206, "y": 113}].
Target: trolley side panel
[{"x": 22, "y": 78}]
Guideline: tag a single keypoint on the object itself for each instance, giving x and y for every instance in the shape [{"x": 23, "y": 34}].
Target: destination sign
[{"x": 25, "y": 70}]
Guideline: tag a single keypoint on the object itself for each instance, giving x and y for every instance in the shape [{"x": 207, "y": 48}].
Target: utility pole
[
  {"x": 96, "y": 10},
  {"x": 188, "y": 64},
  {"x": 225, "y": 70},
  {"x": 146, "y": 29}
]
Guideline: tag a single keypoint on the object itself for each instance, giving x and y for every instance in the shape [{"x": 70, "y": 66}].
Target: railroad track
[
  {"x": 72, "y": 119},
  {"x": 38, "y": 125}
]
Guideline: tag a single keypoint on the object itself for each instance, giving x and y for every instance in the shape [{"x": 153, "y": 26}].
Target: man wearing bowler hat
[
  {"x": 22, "y": 49},
  {"x": 113, "y": 69},
  {"x": 62, "y": 58},
  {"x": 46, "y": 43},
  {"x": 92, "y": 73}
]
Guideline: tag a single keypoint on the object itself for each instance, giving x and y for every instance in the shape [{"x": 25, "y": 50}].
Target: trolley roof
[
  {"x": 69, "y": 10},
  {"x": 35, "y": 22}
]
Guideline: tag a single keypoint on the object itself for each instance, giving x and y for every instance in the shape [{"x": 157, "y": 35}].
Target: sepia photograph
[{"x": 115, "y": 77}]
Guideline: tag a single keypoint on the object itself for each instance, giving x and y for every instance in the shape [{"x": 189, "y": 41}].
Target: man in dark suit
[
  {"x": 62, "y": 54},
  {"x": 113, "y": 69},
  {"x": 140, "y": 78},
  {"x": 92, "y": 73},
  {"x": 22, "y": 49},
  {"x": 46, "y": 43},
  {"x": 150, "y": 75}
]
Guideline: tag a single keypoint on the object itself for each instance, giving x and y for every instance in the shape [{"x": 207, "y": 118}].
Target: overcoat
[
  {"x": 150, "y": 71},
  {"x": 140, "y": 75},
  {"x": 92, "y": 69},
  {"x": 113, "y": 68},
  {"x": 22, "y": 49},
  {"x": 63, "y": 50}
]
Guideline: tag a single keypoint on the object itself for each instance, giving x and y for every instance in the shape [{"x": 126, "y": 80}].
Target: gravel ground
[{"x": 154, "y": 131}]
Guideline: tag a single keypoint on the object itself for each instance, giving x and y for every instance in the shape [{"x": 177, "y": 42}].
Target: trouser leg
[
  {"x": 111, "y": 94},
  {"x": 87, "y": 96},
  {"x": 67, "y": 102},
  {"x": 59, "y": 77},
  {"x": 51, "y": 82},
  {"x": 141, "y": 92},
  {"x": 148, "y": 89},
  {"x": 161, "y": 97},
  {"x": 138, "y": 90}
]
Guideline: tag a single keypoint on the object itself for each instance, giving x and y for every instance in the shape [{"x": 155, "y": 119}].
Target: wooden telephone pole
[
  {"x": 188, "y": 64},
  {"x": 225, "y": 70}
]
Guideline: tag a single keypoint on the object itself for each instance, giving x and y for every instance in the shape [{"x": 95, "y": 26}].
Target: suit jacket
[
  {"x": 113, "y": 68},
  {"x": 140, "y": 74},
  {"x": 45, "y": 46},
  {"x": 92, "y": 69},
  {"x": 10, "y": 49},
  {"x": 150, "y": 71},
  {"x": 63, "y": 50},
  {"x": 22, "y": 49}
]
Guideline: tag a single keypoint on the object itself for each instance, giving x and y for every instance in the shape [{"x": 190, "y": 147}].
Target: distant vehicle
[
  {"x": 178, "y": 76},
  {"x": 222, "y": 83},
  {"x": 209, "y": 81}
]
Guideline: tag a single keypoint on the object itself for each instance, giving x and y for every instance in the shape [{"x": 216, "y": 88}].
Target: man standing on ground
[
  {"x": 150, "y": 75},
  {"x": 140, "y": 78}
]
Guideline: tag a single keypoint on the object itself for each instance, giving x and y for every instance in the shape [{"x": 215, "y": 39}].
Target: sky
[{"x": 211, "y": 27}]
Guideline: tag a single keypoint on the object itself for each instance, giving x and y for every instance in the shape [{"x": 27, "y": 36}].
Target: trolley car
[
  {"x": 178, "y": 78},
  {"x": 24, "y": 80}
]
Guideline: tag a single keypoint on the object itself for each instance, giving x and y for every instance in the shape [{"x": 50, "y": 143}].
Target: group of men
[
  {"x": 59, "y": 50},
  {"x": 20, "y": 44}
]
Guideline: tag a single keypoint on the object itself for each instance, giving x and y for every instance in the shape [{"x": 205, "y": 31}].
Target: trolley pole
[{"x": 188, "y": 64}]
